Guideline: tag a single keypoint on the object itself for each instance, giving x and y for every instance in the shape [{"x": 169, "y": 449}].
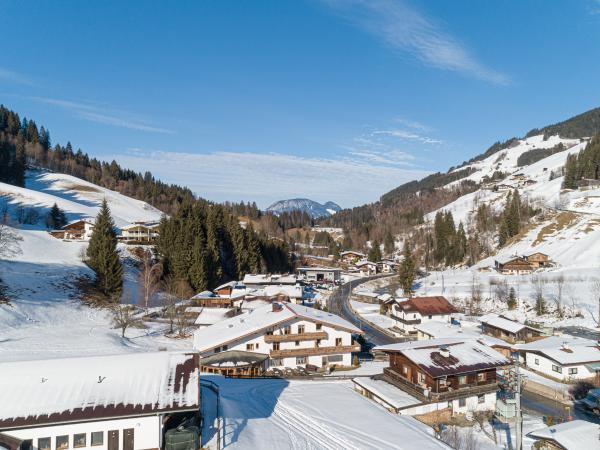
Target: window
[
  {"x": 442, "y": 382},
  {"x": 79, "y": 440},
  {"x": 462, "y": 379},
  {"x": 481, "y": 398},
  {"x": 421, "y": 377},
  {"x": 287, "y": 330},
  {"x": 269, "y": 333},
  {"x": 318, "y": 342},
  {"x": 572, "y": 370},
  {"x": 275, "y": 362},
  {"x": 26, "y": 445},
  {"x": 430, "y": 316},
  {"x": 249, "y": 346},
  {"x": 97, "y": 438},
  {"x": 319, "y": 326},
  {"x": 224, "y": 347},
  {"x": 556, "y": 369},
  {"x": 44, "y": 443},
  {"x": 536, "y": 361},
  {"x": 404, "y": 370},
  {"x": 297, "y": 343},
  {"x": 62, "y": 442},
  {"x": 462, "y": 402},
  {"x": 480, "y": 377},
  {"x": 338, "y": 342},
  {"x": 300, "y": 360},
  {"x": 300, "y": 329},
  {"x": 275, "y": 345}
]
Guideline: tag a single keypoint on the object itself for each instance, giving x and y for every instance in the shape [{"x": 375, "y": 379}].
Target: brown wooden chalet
[
  {"x": 538, "y": 259},
  {"x": 516, "y": 266},
  {"x": 443, "y": 369},
  {"x": 209, "y": 299},
  {"x": 225, "y": 289},
  {"x": 508, "y": 330}
]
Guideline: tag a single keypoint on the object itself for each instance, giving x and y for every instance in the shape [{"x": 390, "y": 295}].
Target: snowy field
[
  {"x": 45, "y": 319},
  {"x": 311, "y": 415}
]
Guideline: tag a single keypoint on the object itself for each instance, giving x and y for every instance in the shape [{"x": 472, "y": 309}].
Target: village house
[
  {"x": 261, "y": 280},
  {"x": 454, "y": 374},
  {"x": 538, "y": 260},
  {"x": 80, "y": 230},
  {"x": 515, "y": 266},
  {"x": 565, "y": 358},
  {"x": 140, "y": 232},
  {"x": 291, "y": 335},
  {"x": 387, "y": 266},
  {"x": 118, "y": 402},
  {"x": 574, "y": 435},
  {"x": 507, "y": 329},
  {"x": 366, "y": 268},
  {"x": 416, "y": 310},
  {"x": 588, "y": 183},
  {"x": 320, "y": 275},
  {"x": 351, "y": 257},
  {"x": 208, "y": 299}
]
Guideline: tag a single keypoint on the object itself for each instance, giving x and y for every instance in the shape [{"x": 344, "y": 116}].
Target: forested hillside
[{"x": 23, "y": 144}]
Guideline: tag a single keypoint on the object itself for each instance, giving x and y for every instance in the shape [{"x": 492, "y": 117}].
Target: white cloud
[
  {"x": 99, "y": 114},
  {"x": 408, "y": 136},
  {"x": 408, "y": 31},
  {"x": 350, "y": 179},
  {"x": 14, "y": 77}
]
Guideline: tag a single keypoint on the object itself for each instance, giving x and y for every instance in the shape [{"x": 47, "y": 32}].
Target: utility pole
[{"x": 519, "y": 422}]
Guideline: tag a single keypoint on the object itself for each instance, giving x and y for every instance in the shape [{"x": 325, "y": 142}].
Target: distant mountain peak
[{"x": 312, "y": 208}]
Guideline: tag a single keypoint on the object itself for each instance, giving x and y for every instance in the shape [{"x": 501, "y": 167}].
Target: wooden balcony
[
  {"x": 314, "y": 351},
  {"x": 393, "y": 377},
  {"x": 269, "y": 338},
  {"x": 405, "y": 321}
]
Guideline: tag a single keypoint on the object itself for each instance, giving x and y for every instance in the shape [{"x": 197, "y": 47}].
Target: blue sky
[{"x": 326, "y": 99}]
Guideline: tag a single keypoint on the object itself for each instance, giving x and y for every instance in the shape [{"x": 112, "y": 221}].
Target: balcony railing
[
  {"x": 296, "y": 337},
  {"x": 418, "y": 391},
  {"x": 314, "y": 351},
  {"x": 405, "y": 321}
]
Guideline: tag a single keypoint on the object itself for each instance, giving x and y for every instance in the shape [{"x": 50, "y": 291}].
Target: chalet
[
  {"x": 366, "y": 296},
  {"x": 538, "y": 260},
  {"x": 416, "y": 310},
  {"x": 514, "y": 266},
  {"x": 503, "y": 187},
  {"x": 519, "y": 177},
  {"x": 351, "y": 257},
  {"x": 529, "y": 182},
  {"x": 588, "y": 183},
  {"x": 291, "y": 335},
  {"x": 321, "y": 274},
  {"x": 262, "y": 280},
  {"x": 574, "y": 435},
  {"x": 141, "y": 232},
  {"x": 387, "y": 266},
  {"x": 118, "y": 402},
  {"x": 366, "y": 268},
  {"x": 564, "y": 358},
  {"x": 80, "y": 230},
  {"x": 507, "y": 329},
  {"x": 208, "y": 299},
  {"x": 446, "y": 373}
]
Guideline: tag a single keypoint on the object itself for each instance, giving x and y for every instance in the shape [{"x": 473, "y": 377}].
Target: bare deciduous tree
[
  {"x": 9, "y": 239},
  {"x": 149, "y": 278},
  {"x": 560, "y": 287},
  {"x": 124, "y": 317},
  {"x": 177, "y": 291}
]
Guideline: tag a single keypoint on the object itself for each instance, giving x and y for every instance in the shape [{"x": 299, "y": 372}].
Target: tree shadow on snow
[{"x": 240, "y": 400}]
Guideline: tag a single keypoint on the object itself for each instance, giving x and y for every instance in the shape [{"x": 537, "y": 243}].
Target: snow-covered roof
[
  {"x": 319, "y": 269},
  {"x": 90, "y": 388},
  {"x": 574, "y": 435},
  {"x": 260, "y": 319},
  {"x": 387, "y": 392},
  {"x": 564, "y": 349},
  {"x": 210, "y": 316},
  {"x": 447, "y": 330},
  {"x": 427, "y": 306},
  {"x": 269, "y": 279},
  {"x": 503, "y": 323},
  {"x": 231, "y": 284},
  {"x": 289, "y": 291},
  {"x": 465, "y": 355},
  {"x": 88, "y": 220},
  {"x": 365, "y": 263},
  {"x": 351, "y": 252},
  {"x": 150, "y": 225},
  {"x": 204, "y": 294}
]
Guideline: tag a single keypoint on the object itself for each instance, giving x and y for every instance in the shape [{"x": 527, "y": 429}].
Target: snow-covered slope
[
  {"x": 569, "y": 232},
  {"x": 312, "y": 208},
  {"x": 45, "y": 317}
]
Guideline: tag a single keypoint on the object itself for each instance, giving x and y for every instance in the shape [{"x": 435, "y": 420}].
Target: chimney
[
  {"x": 445, "y": 352},
  {"x": 277, "y": 307}
]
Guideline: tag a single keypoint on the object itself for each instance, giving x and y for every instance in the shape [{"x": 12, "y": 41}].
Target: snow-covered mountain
[{"x": 312, "y": 208}]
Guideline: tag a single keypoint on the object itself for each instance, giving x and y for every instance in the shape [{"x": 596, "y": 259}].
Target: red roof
[{"x": 428, "y": 306}]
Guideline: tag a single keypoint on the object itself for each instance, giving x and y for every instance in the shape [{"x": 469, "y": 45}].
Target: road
[
  {"x": 339, "y": 304},
  {"x": 581, "y": 332},
  {"x": 542, "y": 406}
]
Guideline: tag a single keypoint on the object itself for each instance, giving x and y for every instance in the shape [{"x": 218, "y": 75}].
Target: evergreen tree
[
  {"x": 374, "y": 252},
  {"x": 56, "y": 218},
  {"x": 512, "y": 299},
  {"x": 388, "y": 243},
  {"x": 103, "y": 256},
  {"x": 406, "y": 273},
  {"x": 570, "y": 179}
]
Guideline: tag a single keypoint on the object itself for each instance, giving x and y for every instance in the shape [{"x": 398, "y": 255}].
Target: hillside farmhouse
[
  {"x": 351, "y": 257},
  {"x": 508, "y": 330},
  {"x": 416, "y": 310},
  {"x": 119, "y": 402},
  {"x": 445, "y": 373},
  {"x": 564, "y": 358},
  {"x": 523, "y": 265},
  {"x": 366, "y": 268},
  {"x": 387, "y": 266},
  {"x": 142, "y": 232},
  {"x": 80, "y": 230},
  {"x": 291, "y": 335}
]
